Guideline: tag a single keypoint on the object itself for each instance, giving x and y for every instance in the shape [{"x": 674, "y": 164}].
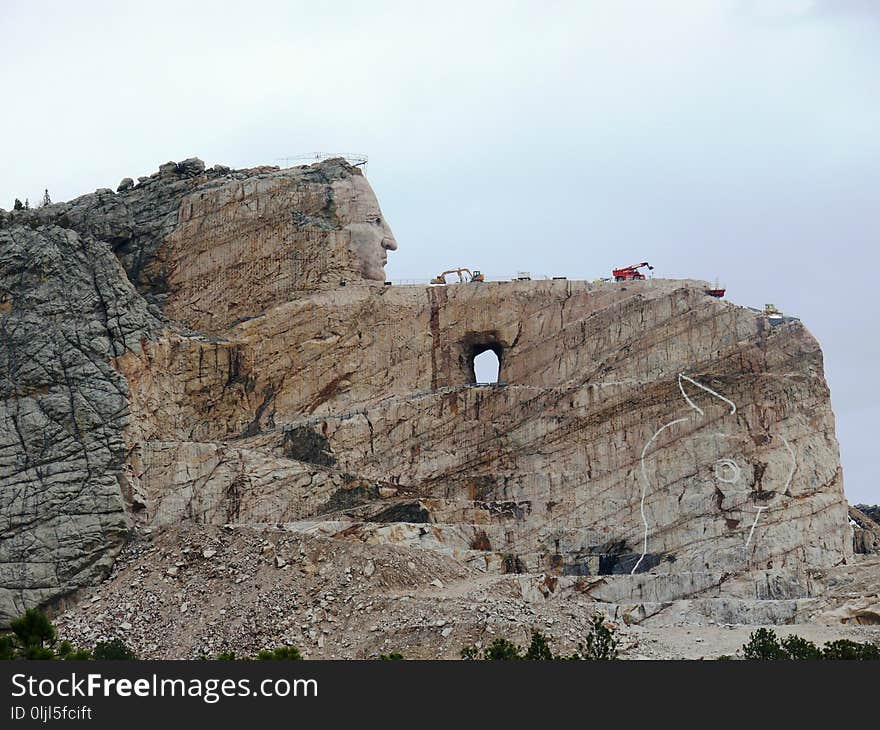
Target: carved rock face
[
  {"x": 370, "y": 236},
  {"x": 272, "y": 394},
  {"x": 244, "y": 245}
]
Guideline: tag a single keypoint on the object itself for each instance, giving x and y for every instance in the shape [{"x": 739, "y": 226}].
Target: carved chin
[{"x": 373, "y": 271}]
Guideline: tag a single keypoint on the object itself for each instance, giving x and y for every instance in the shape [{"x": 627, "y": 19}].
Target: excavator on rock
[
  {"x": 628, "y": 273},
  {"x": 773, "y": 314},
  {"x": 464, "y": 275}
]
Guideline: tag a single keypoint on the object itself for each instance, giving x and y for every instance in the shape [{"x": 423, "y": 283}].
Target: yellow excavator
[
  {"x": 773, "y": 314},
  {"x": 464, "y": 275}
]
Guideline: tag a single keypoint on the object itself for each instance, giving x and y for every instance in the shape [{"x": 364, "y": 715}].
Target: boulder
[{"x": 191, "y": 166}]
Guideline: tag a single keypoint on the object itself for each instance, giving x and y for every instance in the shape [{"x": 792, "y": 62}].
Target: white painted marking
[
  {"x": 752, "y": 531},
  {"x": 785, "y": 489},
  {"x": 730, "y": 466},
  {"x": 682, "y": 376},
  {"x": 645, "y": 489},
  {"x": 793, "y": 463},
  {"x": 645, "y": 484}
]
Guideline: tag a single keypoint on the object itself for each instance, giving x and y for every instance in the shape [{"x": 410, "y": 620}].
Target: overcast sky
[{"x": 735, "y": 139}]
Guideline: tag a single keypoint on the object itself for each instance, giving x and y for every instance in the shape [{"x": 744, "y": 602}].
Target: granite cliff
[{"x": 217, "y": 349}]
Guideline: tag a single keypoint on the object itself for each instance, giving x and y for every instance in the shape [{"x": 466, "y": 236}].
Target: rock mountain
[{"x": 217, "y": 349}]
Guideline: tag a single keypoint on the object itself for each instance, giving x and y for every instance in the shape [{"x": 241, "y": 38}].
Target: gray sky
[{"x": 735, "y": 139}]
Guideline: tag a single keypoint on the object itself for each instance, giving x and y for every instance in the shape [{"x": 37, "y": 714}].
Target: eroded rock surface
[
  {"x": 68, "y": 309},
  {"x": 243, "y": 365},
  {"x": 866, "y": 529},
  {"x": 545, "y": 471}
]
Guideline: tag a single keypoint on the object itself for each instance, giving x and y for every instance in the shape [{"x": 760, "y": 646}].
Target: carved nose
[{"x": 389, "y": 244}]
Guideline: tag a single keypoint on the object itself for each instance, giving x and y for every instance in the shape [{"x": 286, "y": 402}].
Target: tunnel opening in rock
[
  {"x": 481, "y": 357},
  {"x": 486, "y": 366}
]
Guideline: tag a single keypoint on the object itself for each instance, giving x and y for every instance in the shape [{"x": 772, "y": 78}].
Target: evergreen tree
[{"x": 35, "y": 635}]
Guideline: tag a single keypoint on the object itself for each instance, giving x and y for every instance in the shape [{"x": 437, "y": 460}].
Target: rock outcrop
[
  {"x": 545, "y": 471},
  {"x": 644, "y": 438},
  {"x": 68, "y": 310},
  {"x": 866, "y": 529}
]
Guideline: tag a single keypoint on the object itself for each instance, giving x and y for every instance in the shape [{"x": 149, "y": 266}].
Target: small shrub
[
  {"x": 539, "y": 649},
  {"x": 114, "y": 649},
  {"x": 502, "y": 650},
  {"x": 764, "y": 645},
  {"x": 798, "y": 648},
  {"x": 470, "y": 652},
  {"x": 393, "y": 656},
  {"x": 846, "y": 649},
  {"x": 226, "y": 656},
  {"x": 67, "y": 651},
  {"x": 7, "y": 647},
  {"x": 281, "y": 652},
  {"x": 601, "y": 643},
  {"x": 35, "y": 653}
]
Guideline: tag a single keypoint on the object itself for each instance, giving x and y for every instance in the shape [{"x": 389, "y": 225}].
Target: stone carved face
[{"x": 370, "y": 237}]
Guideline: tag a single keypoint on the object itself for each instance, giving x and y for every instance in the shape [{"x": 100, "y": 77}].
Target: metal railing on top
[{"x": 353, "y": 158}]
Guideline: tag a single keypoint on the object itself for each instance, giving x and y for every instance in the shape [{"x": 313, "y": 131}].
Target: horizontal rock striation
[
  {"x": 546, "y": 470},
  {"x": 70, "y": 309},
  {"x": 239, "y": 362}
]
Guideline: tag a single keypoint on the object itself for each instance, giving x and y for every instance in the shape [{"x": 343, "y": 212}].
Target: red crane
[{"x": 631, "y": 272}]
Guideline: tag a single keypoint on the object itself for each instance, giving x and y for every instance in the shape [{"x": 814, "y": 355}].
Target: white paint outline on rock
[
  {"x": 645, "y": 489},
  {"x": 682, "y": 376},
  {"x": 728, "y": 463},
  {"x": 722, "y": 464},
  {"x": 784, "y": 490},
  {"x": 645, "y": 483}
]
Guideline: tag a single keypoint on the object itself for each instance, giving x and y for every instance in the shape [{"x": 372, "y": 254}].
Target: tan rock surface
[
  {"x": 649, "y": 449},
  {"x": 243, "y": 245},
  {"x": 549, "y": 464}
]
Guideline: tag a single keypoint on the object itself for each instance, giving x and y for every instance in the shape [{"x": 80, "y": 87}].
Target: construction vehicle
[
  {"x": 718, "y": 291},
  {"x": 523, "y": 276},
  {"x": 464, "y": 275},
  {"x": 773, "y": 314},
  {"x": 628, "y": 273}
]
